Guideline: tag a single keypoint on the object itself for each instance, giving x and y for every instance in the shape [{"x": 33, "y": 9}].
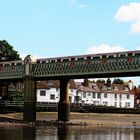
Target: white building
[
  {"x": 49, "y": 91},
  {"x": 90, "y": 93}
]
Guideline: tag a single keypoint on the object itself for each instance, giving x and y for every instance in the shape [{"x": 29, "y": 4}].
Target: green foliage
[
  {"x": 7, "y": 53},
  {"x": 100, "y": 81},
  {"x": 118, "y": 81}
]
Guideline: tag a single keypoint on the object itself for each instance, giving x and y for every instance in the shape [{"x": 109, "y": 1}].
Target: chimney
[
  {"x": 86, "y": 82},
  {"x": 130, "y": 85},
  {"x": 108, "y": 83}
]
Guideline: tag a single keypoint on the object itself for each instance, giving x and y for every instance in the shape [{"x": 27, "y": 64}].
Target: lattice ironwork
[
  {"x": 9, "y": 72},
  {"x": 73, "y": 68},
  {"x": 87, "y": 67}
]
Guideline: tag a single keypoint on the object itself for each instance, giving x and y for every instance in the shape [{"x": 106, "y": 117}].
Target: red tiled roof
[
  {"x": 54, "y": 84},
  {"x": 92, "y": 87}
]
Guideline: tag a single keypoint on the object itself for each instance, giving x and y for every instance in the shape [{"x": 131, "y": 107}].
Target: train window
[
  {"x": 137, "y": 54},
  {"x": 72, "y": 59},
  {"x": 58, "y": 60},
  {"x": 52, "y": 61},
  {"x": 104, "y": 56},
  {"x": 48, "y": 61},
  {"x": 129, "y": 54},
  {"x": 65, "y": 60},
  {"x": 123, "y": 55},
  {"x": 80, "y": 59},
  {"x": 19, "y": 64},
  {"x": 112, "y": 56},
  {"x": 89, "y": 57},
  {"x": 7, "y": 65},
  {"x": 43, "y": 62},
  {"x": 38, "y": 61},
  {"x": 96, "y": 57}
]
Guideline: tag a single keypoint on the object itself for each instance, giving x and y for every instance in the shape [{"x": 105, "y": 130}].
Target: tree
[
  {"x": 100, "y": 81},
  {"x": 118, "y": 81},
  {"x": 7, "y": 53}
]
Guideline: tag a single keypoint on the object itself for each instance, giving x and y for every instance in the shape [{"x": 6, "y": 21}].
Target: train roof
[{"x": 86, "y": 55}]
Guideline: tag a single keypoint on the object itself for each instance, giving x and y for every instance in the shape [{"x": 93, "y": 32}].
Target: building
[
  {"x": 137, "y": 97},
  {"x": 91, "y": 93},
  {"x": 49, "y": 91}
]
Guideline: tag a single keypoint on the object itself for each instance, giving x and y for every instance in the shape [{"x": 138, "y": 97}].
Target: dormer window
[
  {"x": 50, "y": 82},
  {"x": 115, "y": 88}
]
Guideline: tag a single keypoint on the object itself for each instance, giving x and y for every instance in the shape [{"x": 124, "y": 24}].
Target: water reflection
[
  {"x": 62, "y": 132},
  {"x": 29, "y": 133},
  {"x": 69, "y": 133}
]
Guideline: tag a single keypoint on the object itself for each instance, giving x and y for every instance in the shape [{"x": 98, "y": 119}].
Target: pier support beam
[
  {"x": 29, "y": 99},
  {"x": 64, "y": 104},
  {"x": 29, "y": 114}
]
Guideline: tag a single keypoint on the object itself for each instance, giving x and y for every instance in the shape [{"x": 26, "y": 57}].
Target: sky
[{"x": 50, "y": 28}]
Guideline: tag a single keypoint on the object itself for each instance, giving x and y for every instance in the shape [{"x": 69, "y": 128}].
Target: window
[
  {"x": 98, "y": 95},
  {"x": 127, "y": 104},
  {"x": 127, "y": 96},
  {"x": 115, "y": 88},
  {"x": 76, "y": 99},
  {"x": 58, "y": 60},
  {"x": 52, "y": 61},
  {"x": 80, "y": 59},
  {"x": 115, "y": 96},
  {"x": 43, "y": 62},
  {"x": 89, "y": 57},
  {"x": 50, "y": 82},
  {"x": 105, "y": 103},
  {"x": 57, "y": 89},
  {"x": 65, "y": 60},
  {"x": 42, "y": 93},
  {"x": 93, "y": 95},
  {"x": 96, "y": 102},
  {"x": 105, "y": 95},
  {"x": 84, "y": 95},
  {"x": 120, "y": 104},
  {"x": 89, "y": 94},
  {"x": 115, "y": 104},
  {"x": 52, "y": 97},
  {"x": 120, "y": 96}
]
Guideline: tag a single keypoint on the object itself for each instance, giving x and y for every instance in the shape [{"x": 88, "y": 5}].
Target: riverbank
[{"x": 94, "y": 119}]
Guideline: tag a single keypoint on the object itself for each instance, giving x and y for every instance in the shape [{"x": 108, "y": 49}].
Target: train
[{"x": 76, "y": 58}]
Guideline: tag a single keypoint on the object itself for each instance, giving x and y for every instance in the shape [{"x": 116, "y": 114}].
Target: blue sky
[{"x": 49, "y": 28}]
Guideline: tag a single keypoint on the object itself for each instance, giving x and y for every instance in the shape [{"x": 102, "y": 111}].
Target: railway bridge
[{"x": 120, "y": 64}]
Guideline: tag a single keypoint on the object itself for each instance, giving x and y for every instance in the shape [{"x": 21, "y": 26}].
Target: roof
[
  {"x": 121, "y": 88},
  {"x": 90, "y": 87},
  {"x": 54, "y": 84},
  {"x": 137, "y": 93}
]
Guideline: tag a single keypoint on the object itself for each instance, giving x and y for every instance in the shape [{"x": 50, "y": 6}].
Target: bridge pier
[
  {"x": 29, "y": 114},
  {"x": 64, "y": 104},
  {"x": 4, "y": 90}
]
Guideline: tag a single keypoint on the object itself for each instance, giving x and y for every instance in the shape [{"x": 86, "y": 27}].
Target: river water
[{"x": 70, "y": 133}]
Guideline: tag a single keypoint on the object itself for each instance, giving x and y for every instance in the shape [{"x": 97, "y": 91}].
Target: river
[{"x": 70, "y": 133}]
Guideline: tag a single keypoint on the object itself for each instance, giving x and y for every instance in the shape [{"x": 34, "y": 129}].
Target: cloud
[
  {"x": 135, "y": 28},
  {"x": 104, "y": 48},
  {"x": 130, "y": 12}
]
